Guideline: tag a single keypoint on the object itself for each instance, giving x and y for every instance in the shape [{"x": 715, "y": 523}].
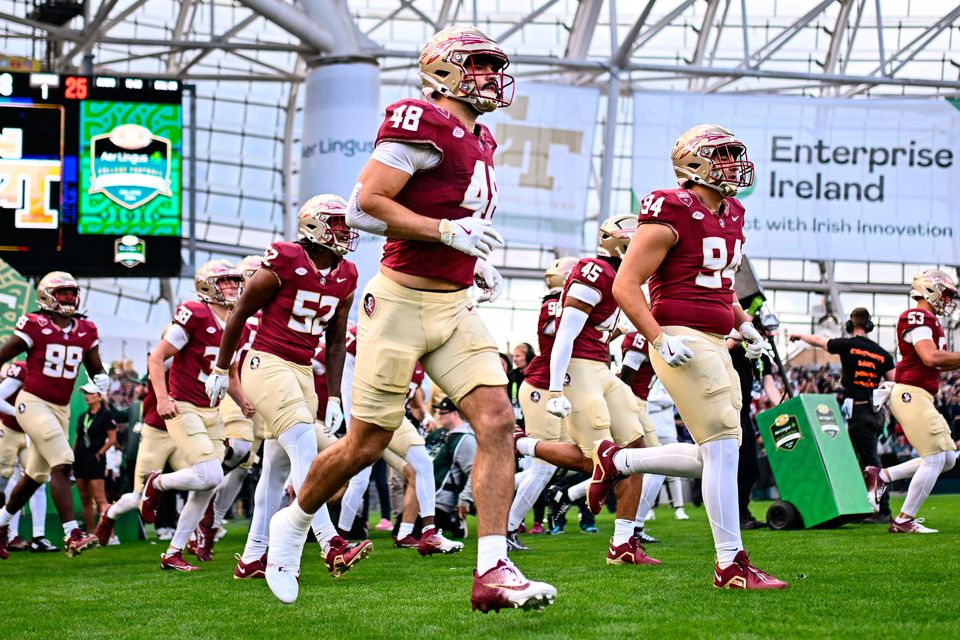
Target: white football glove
[
  {"x": 473, "y": 236},
  {"x": 333, "y": 417},
  {"x": 216, "y": 386},
  {"x": 756, "y": 345},
  {"x": 674, "y": 349},
  {"x": 881, "y": 394},
  {"x": 558, "y": 405},
  {"x": 486, "y": 276},
  {"x": 102, "y": 381}
]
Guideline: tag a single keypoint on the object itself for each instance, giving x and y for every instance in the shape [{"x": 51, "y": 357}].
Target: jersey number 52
[{"x": 313, "y": 319}]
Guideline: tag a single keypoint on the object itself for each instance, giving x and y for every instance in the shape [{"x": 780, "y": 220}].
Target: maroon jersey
[
  {"x": 296, "y": 317},
  {"x": 461, "y": 186},
  {"x": 644, "y": 376},
  {"x": 910, "y": 369},
  {"x": 352, "y": 340},
  {"x": 693, "y": 287},
  {"x": 537, "y": 372},
  {"x": 194, "y": 361},
  {"x": 54, "y": 355},
  {"x": 16, "y": 371},
  {"x": 593, "y": 341},
  {"x": 320, "y": 380},
  {"x": 149, "y": 408}
]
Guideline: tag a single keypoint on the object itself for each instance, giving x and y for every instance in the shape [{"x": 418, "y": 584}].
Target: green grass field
[{"x": 857, "y": 581}]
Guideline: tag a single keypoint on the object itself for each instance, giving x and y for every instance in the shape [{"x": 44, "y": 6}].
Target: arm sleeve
[
  {"x": 634, "y": 359},
  {"x": 8, "y": 387},
  {"x": 177, "y": 336},
  {"x": 917, "y": 334},
  {"x": 407, "y": 157},
  {"x": 571, "y": 324}
]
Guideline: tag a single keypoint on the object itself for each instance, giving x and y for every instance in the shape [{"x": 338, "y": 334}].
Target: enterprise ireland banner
[{"x": 872, "y": 179}]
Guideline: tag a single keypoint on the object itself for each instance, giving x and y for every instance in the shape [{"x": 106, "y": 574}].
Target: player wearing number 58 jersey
[
  {"x": 57, "y": 340},
  {"x": 688, "y": 244},
  {"x": 430, "y": 188}
]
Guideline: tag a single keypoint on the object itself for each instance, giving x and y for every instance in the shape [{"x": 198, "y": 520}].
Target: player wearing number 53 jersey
[
  {"x": 689, "y": 246},
  {"x": 429, "y": 187},
  {"x": 57, "y": 341},
  {"x": 921, "y": 342}
]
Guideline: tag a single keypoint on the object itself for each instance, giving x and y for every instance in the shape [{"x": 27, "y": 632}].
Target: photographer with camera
[{"x": 865, "y": 365}]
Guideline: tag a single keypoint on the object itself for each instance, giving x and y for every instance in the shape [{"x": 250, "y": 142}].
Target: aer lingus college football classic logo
[{"x": 130, "y": 165}]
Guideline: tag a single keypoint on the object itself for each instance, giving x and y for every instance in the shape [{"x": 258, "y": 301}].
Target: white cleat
[
  {"x": 435, "y": 542},
  {"x": 504, "y": 587},
  {"x": 680, "y": 514},
  {"x": 283, "y": 557}
]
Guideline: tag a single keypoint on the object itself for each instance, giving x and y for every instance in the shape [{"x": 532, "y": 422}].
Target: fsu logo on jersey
[{"x": 369, "y": 305}]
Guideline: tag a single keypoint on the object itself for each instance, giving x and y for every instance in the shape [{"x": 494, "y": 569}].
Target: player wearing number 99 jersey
[
  {"x": 57, "y": 341},
  {"x": 688, "y": 244}
]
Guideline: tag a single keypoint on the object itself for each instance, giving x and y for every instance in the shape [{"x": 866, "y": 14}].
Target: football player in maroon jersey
[
  {"x": 582, "y": 390},
  {"x": 13, "y": 459},
  {"x": 191, "y": 340},
  {"x": 305, "y": 290},
  {"x": 429, "y": 187},
  {"x": 537, "y": 422},
  {"x": 689, "y": 246},
  {"x": 57, "y": 340},
  {"x": 921, "y": 343}
]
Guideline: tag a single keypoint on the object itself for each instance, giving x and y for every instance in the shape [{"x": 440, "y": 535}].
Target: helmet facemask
[{"x": 218, "y": 282}]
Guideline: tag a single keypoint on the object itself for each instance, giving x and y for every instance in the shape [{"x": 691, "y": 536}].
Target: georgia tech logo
[{"x": 255, "y": 362}]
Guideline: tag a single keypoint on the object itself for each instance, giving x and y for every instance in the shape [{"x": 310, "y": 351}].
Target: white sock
[
  {"x": 353, "y": 498},
  {"x": 526, "y": 446},
  {"x": 266, "y": 499},
  {"x": 922, "y": 483},
  {"x": 299, "y": 518},
  {"x": 5, "y": 517},
  {"x": 720, "y": 458},
  {"x": 406, "y": 529},
  {"x": 651, "y": 487},
  {"x": 534, "y": 481},
  {"x": 425, "y": 484},
  {"x": 126, "y": 502},
  {"x": 490, "y": 550},
  {"x": 902, "y": 471},
  {"x": 622, "y": 530},
  {"x": 578, "y": 491},
  {"x": 190, "y": 517},
  {"x": 203, "y": 476},
  {"x": 226, "y": 493},
  {"x": 68, "y": 527},
  {"x": 38, "y": 512},
  {"x": 679, "y": 459},
  {"x": 323, "y": 527}
]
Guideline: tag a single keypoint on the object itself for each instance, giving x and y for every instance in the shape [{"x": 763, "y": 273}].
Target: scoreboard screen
[{"x": 90, "y": 174}]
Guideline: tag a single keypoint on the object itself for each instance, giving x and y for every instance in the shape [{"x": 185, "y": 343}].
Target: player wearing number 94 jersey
[
  {"x": 688, "y": 244},
  {"x": 57, "y": 340}
]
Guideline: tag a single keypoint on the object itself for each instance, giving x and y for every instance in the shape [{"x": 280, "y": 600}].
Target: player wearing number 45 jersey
[
  {"x": 430, "y": 189},
  {"x": 921, "y": 342},
  {"x": 688, "y": 244},
  {"x": 57, "y": 340},
  {"x": 305, "y": 290}
]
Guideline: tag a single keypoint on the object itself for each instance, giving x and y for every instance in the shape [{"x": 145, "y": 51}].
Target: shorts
[
  {"x": 537, "y": 421},
  {"x": 400, "y": 326},
  {"x": 13, "y": 451},
  {"x": 197, "y": 432},
  {"x": 604, "y": 407},
  {"x": 46, "y": 425},
  {"x": 157, "y": 449},
  {"x": 706, "y": 389},
  {"x": 924, "y": 426},
  {"x": 281, "y": 391},
  {"x": 86, "y": 466}
]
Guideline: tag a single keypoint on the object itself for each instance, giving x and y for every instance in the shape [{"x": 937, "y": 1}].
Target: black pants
[
  {"x": 864, "y": 428},
  {"x": 450, "y": 522},
  {"x": 747, "y": 469}
]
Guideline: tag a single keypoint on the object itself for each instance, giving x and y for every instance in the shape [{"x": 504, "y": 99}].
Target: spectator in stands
[
  {"x": 96, "y": 433},
  {"x": 451, "y": 468},
  {"x": 865, "y": 364}
]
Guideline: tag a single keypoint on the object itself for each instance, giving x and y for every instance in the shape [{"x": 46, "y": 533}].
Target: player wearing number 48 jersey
[
  {"x": 57, "y": 340},
  {"x": 305, "y": 290},
  {"x": 429, "y": 187},
  {"x": 688, "y": 245}
]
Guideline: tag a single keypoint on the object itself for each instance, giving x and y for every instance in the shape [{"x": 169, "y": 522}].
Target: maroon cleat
[
  {"x": 432, "y": 541},
  {"x": 504, "y": 587},
  {"x": 407, "y": 542},
  {"x": 876, "y": 487},
  {"x": 4, "y": 532},
  {"x": 630, "y": 552},
  {"x": 176, "y": 562},
  {"x": 605, "y": 475},
  {"x": 343, "y": 555},
  {"x": 202, "y": 544},
  {"x": 151, "y": 499},
  {"x": 250, "y": 570},
  {"x": 743, "y": 575},
  {"x": 104, "y": 529},
  {"x": 913, "y": 525},
  {"x": 18, "y": 544},
  {"x": 78, "y": 542}
]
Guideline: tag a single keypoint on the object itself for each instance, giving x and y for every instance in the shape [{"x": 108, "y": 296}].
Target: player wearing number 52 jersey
[
  {"x": 57, "y": 340},
  {"x": 921, "y": 342},
  {"x": 305, "y": 290},
  {"x": 429, "y": 187},
  {"x": 688, "y": 244},
  {"x": 192, "y": 340}
]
